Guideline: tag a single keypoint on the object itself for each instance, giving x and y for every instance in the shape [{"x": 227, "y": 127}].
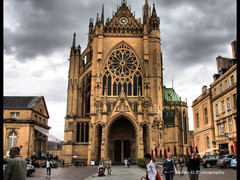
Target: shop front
[{"x": 223, "y": 148}]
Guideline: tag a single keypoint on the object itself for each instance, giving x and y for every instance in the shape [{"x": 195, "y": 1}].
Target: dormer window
[{"x": 14, "y": 114}]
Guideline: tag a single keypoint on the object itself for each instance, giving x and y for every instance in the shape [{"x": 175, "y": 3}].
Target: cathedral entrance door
[
  {"x": 121, "y": 140},
  {"x": 117, "y": 151},
  {"x": 127, "y": 149}
]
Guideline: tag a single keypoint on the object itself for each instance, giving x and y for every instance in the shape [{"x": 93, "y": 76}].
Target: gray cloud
[{"x": 193, "y": 33}]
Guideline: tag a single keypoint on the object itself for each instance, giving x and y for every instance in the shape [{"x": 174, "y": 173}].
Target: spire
[
  {"x": 154, "y": 13},
  {"x": 124, "y": 1},
  {"x": 102, "y": 17},
  {"x": 90, "y": 25},
  {"x": 146, "y": 13},
  {"x": 154, "y": 20},
  {"x": 97, "y": 19},
  {"x": 74, "y": 40}
]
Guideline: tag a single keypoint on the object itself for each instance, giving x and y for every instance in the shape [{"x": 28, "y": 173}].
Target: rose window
[{"x": 122, "y": 70}]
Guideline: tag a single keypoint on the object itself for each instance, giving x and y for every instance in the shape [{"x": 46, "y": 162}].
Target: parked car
[
  {"x": 209, "y": 161},
  {"x": 5, "y": 162},
  {"x": 30, "y": 169},
  {"x": 224, "y": 161},
  {"x": 233, "y": 162}
]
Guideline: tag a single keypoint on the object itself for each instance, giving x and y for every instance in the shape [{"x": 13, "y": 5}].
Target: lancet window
[{"x": 82, "y": 132}]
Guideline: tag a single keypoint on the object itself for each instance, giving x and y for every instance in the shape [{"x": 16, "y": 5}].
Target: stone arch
[
  {"x": 122, "y": 138},
  {"x": 114, "y": 118}
]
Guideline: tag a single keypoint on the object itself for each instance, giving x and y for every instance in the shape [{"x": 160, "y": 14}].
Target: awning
[
  {"x": 208, "y": 150},
  {"x": 46, "y": 133}
]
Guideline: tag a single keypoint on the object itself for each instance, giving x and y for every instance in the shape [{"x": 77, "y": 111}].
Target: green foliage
[{"x": 141, "y": 162}]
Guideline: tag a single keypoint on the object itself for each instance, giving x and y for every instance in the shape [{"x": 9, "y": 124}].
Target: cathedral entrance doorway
[{"x": 122, "y": 140}]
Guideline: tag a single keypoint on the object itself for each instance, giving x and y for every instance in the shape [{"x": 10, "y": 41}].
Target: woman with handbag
[{"x": 168, "y": 168}]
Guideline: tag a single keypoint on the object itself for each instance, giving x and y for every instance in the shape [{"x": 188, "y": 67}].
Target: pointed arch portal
[{"x": 122, "y": 136}]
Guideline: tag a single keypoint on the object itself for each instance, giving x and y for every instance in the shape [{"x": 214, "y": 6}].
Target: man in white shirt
[{"x": 151, "y": 169}]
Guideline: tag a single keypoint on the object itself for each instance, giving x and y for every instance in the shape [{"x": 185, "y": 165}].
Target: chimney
[
  {"x": 234, "y": 49},
  {"x": 215, "y": 76},
  {"x": 204, "y": 89}
]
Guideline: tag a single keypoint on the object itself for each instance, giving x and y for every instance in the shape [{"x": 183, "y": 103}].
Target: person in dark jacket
[
  {"x": 168, "y": 167},
  {"x": 181, "y": 164},
  {"x": 193, "y": 167}
]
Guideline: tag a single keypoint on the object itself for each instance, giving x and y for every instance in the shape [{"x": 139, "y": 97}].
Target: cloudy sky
[{"x": 38, "y": 36}]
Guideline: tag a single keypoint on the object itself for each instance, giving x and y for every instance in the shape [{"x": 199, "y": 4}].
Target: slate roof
[{"x": 22, "y": 102}]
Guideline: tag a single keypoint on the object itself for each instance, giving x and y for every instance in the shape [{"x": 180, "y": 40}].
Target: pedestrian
[
  {"x": 181, "y": 164},
  {"x": 151, "y": 171},
  {"x": 108, "y": 164},
  {"x": 63, "y": 162},
  {"x": 33, "y": 162},
  {"x": 77, "y": 163},
  {"x": 129, "y": 160},
  {"x": 168, "y": 167},
  {"x": 16, "y": 167},
  {"x": 48, "y": 167},
  {"x": 125, "y": 162},
  {"x": 102, "y": 164},
  {"x": 193, "y": 167}
]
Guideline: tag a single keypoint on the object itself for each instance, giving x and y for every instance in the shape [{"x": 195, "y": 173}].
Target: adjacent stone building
[
  {"x": 117, "y": 106},
  {"x": 25, "y": 124},
  {"x": 215, "y": 110}
]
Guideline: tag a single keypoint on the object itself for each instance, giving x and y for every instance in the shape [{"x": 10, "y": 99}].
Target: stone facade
[
  {"x": 23, "y": 117},
  {"x": 220, "y": 102},
  {"x": 204, "y": 134},
  {"x": 116, "y": 98}
]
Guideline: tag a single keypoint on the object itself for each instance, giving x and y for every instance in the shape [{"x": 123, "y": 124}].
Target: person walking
[
  {"x": 125, "y": 162},
  {"x": 16, "y": 167},
  {"x": 181, "y": 164},
  {"x": 193, "y": 167},
  {"x": 108, "y": 164},
  {"x": 168, "y": 167},
  {"x": 151, "y": 171},
  {"x": 129, "y": 161},
  {"x": 48, "y": 167}
]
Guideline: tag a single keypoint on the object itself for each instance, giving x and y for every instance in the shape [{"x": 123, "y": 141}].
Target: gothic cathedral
[{"x": 117, "y": 106}]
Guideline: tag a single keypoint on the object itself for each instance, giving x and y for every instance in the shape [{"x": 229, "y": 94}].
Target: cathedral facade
[{"x": 117, "y": 106}]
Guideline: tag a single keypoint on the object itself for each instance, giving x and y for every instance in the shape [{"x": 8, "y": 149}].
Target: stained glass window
[
  {"x": 122, "y": 69},
  {"x": 114, "y": 89},
  {"x": 109, "y": 85},
  {"x": 129, "y": 89},
  {"x": 135, "y": 86},
  {"x": 78, "y": 132}
]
